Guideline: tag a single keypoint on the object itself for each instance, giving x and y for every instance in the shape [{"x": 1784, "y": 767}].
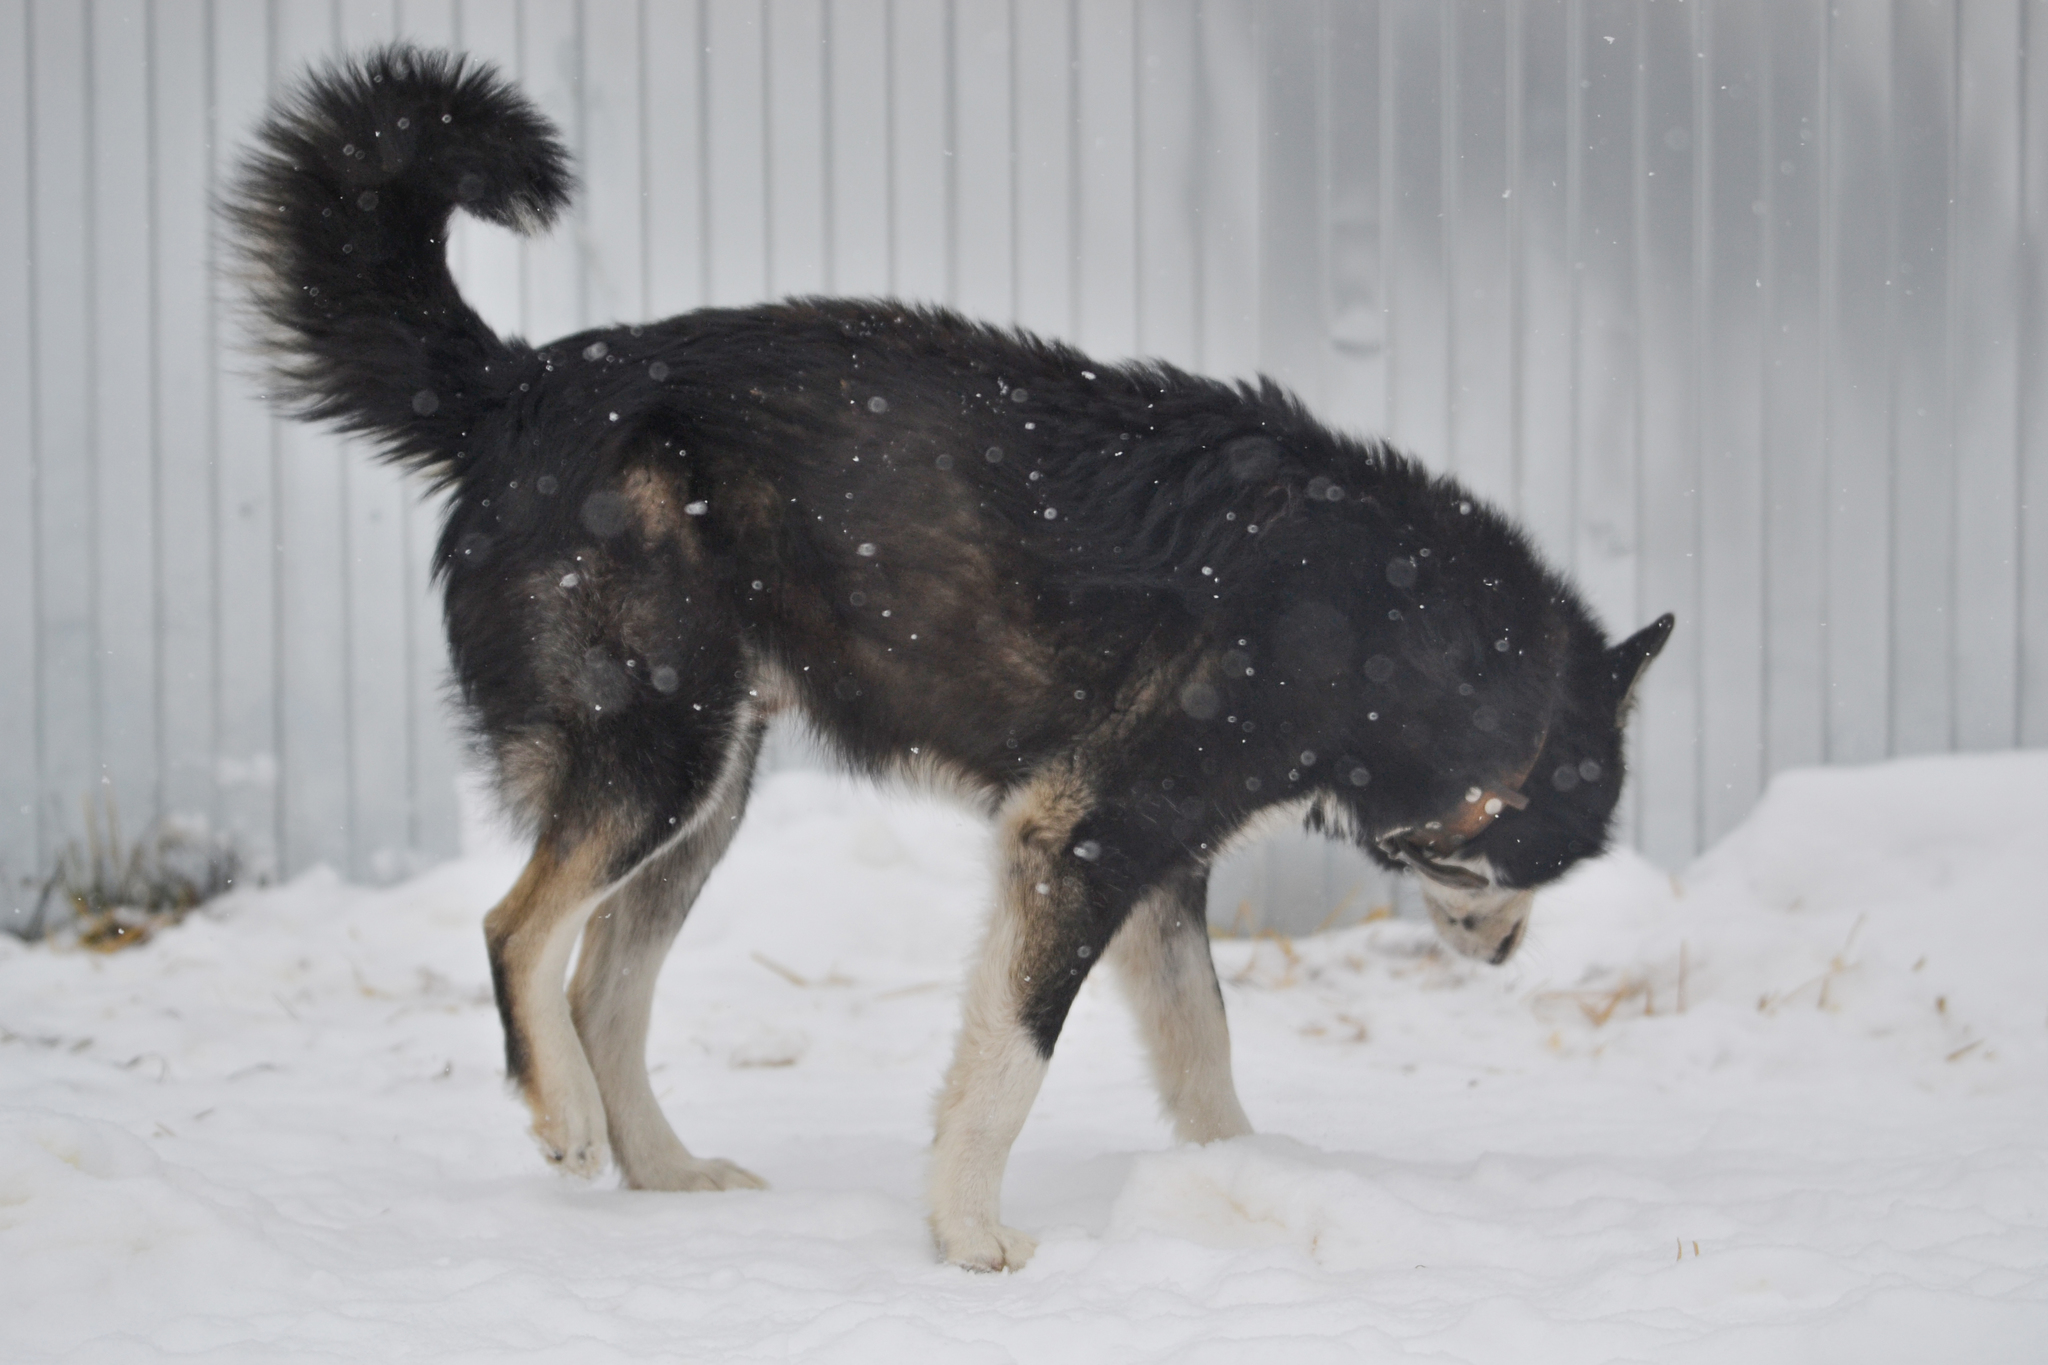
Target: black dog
[{"x": 1121, "y": 608}]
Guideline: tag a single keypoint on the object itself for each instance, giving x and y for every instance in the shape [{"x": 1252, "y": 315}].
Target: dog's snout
[{"x": 1485, "y": 926}]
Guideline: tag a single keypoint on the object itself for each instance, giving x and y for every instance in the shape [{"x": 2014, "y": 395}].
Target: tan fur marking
[
  {"x": 774, "y": 690},
  {"x": 1154, "y": 686},
  {"x": 1041, "y": 816},
  {"x": 531, "y": 765},
  {"x": 928, "y": 772},
  {"x": 655, "y": 512},
  {"x": 753, "y": 505}
]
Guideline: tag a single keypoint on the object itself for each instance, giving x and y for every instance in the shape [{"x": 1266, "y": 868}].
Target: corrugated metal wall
[{"x": 1738, "y": 304}]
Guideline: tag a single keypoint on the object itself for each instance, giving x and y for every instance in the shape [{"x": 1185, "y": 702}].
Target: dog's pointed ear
[{"x": 1627, "y": 661}]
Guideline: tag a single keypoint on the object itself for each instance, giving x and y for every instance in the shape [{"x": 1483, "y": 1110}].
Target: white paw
[
  {"x": 986, "y": 1247},
  {"x": 571, "y": 1132},
  {"x": 686, "y": 1172}
]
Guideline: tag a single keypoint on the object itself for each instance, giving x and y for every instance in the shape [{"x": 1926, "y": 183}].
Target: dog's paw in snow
[
  {"x": 572, "y": 1135},
  {"x": 985, "y": 1247}
]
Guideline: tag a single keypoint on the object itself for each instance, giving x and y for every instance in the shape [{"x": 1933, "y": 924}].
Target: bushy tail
[{"x": 340, "y": 217}]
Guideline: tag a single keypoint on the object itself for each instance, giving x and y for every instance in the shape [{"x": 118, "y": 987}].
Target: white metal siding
[{"x": 1739, "y": 305}]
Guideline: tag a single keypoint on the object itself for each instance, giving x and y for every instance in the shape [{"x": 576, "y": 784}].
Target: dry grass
[
  {"x": 1244, "y": 923},
  {"x": 1289, "y": 958},
  {"x": 111, "y": 894},
  {"x": 1838, "y": 966},
  {"x": 1600, "y": 1004},
  {"x": 795, "y": 978}
]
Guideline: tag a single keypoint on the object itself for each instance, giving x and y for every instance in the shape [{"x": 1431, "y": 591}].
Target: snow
[{"x": 1788, "y": 1105}]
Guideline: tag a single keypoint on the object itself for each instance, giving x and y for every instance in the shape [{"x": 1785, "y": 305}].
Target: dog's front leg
[
  {"x": 996, "y": 1071},
  {"x": 1162, "y": 955},
  {"x": 1049, "y": 926}
]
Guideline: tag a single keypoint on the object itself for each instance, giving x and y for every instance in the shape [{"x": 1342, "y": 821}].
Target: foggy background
[{"x": 1737, "y": 305}]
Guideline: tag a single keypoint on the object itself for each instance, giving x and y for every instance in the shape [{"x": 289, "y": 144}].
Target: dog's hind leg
[
  {"x": 613, "y": 991},
  {"x": 530, "y": 935},
  {"x": 1162, "y": 957},
  {"x": 622, "y": 796}
]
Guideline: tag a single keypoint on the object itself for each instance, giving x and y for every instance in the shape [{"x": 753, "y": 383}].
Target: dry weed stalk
[{"x": 1288, "y": 957}]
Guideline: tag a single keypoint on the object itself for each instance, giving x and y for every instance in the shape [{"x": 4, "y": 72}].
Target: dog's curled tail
[{"x": 339, "y": 218}]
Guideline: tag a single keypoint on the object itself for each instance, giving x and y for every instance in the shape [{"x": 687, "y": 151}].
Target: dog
[{"x": 1121, "y": 609}]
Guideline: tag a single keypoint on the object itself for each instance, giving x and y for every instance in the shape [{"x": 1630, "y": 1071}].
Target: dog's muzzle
[
  {"x": 1472, "y": 914},
  {"x": 1487, "y": 925}
]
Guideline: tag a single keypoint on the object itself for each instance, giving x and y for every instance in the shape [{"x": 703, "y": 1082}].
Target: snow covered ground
[{"x": 1786, "y": 1106}]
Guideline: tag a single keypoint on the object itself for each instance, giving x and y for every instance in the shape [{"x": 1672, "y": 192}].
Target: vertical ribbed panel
[{"x": 1742, "y": 306}]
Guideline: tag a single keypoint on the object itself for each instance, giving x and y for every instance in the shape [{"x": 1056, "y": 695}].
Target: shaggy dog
[{"x": 1120, "y": 608}]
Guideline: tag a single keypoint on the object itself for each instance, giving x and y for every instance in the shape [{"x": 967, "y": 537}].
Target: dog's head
[{"x": 1480, "y": 863}]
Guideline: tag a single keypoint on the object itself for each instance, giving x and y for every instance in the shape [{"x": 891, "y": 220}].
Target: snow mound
[
  {"x": 1900, "y": 901},
  {"x": 1263, "y": 1192}
]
